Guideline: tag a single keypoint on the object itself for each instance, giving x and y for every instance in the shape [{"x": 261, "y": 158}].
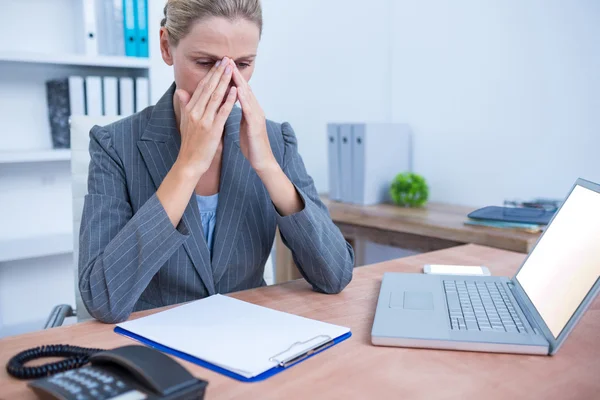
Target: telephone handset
[{"x": 124, "y": 373}]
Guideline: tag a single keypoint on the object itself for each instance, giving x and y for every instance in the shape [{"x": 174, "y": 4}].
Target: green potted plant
[{"x": 409, "y": 190}]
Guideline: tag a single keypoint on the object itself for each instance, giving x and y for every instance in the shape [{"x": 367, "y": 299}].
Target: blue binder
[
  {"x": 141, "y": 28},
  {"x": 129, "y": 24},
  {"x": 267, "y": 374},
  {"x": 519, "y": 215}
]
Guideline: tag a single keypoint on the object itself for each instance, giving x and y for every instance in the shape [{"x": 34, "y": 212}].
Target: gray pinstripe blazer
[{"x": 132, "y": 258}]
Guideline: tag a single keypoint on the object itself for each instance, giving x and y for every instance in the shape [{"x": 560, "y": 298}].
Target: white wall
[
  {"x": 503, "y": 95},
  {"x": 161, "y": 75}
]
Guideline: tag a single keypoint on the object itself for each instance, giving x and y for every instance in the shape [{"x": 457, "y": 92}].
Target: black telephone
[{"x": 124, "y": 373}]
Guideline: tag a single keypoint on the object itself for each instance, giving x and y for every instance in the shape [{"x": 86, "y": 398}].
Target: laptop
[{"x": 532, "y": 313}]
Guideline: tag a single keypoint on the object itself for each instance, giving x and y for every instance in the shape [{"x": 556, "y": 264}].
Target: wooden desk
[
  {"x": 355, "y": 369},
  {"x": 435, "y": 227}
]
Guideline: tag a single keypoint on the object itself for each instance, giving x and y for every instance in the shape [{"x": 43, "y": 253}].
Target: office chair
[{"x": 80, "y": 159}]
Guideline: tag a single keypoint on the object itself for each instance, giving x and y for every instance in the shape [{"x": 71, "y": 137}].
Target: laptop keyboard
[{"x": 481, "y": 306}]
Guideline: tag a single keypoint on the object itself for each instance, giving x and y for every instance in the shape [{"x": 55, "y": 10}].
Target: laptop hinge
[{"x": 525, "y": 310}]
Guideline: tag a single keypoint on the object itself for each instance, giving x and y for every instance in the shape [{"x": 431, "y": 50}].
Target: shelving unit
[
  {"x": 36, "y": 238},
  {"x": 25, "y": 156},
  {"x": 74, "y": 60}
]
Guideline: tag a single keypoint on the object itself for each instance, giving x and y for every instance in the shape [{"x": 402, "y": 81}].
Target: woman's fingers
[
  {"x": 225, "y": 109},
  {"x": 203, "y": 83},
  {"x": 247, "y": 98},
  {"x": 216, "y": 98},
  {"x": 208, "y": 88},
  {"x": 183, "y": 97},
  {"x": 242, "y": 89},
  {"x": 239, "y": 80}
]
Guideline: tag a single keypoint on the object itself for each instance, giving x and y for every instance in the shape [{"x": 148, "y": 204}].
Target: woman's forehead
[{"x": 221, "y": 37}]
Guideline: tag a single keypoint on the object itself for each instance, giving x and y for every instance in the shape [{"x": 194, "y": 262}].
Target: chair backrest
[{"x": 80, "y": 160}]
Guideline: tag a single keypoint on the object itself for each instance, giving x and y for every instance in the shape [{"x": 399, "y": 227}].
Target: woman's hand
[
  {"x": 254, "y": 140},
  {"x": 255, "y": 145},
  {"x": 203, "y": 117}
]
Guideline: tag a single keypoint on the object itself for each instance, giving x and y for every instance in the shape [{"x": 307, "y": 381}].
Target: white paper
[{"x": 238, "y": 336}]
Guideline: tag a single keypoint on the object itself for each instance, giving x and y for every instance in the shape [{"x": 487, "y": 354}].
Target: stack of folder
[
  {"x": 364, "y": 158},
  {"x": 115, "y": 27},
  {"x": 93, "y": 96},
  {"x": 532, "y": 220}
]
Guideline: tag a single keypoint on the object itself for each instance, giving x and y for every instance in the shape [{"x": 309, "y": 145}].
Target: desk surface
[
  {"x": 433, "y": 227},
  {"x": 355, "y": 368}
]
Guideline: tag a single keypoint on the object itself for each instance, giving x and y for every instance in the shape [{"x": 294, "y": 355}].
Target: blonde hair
[{"x": 180, "y": 15}]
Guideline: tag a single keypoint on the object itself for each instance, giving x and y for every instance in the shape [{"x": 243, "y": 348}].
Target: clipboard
[
  {"x": 282, "y": 366},
  {"x": 154, "y": 333}
]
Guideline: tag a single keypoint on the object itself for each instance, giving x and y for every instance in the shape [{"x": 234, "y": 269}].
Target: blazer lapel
[
  {"x": 235, "y": 179},
  {"x": 159, "y": 146}
]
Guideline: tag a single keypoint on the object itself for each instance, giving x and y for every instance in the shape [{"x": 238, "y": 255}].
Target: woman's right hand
[{"x": 203, "y": 117}]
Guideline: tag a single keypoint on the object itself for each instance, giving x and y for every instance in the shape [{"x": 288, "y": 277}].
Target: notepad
[{"x": 233, "y": 337}]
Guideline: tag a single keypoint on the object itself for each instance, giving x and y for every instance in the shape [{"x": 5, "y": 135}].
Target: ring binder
[{"x": 326, "y": 342}]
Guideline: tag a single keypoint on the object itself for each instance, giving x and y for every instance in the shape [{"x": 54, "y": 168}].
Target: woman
[{"x": 184, "y": 197}]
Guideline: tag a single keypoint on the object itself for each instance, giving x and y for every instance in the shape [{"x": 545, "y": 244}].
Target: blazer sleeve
[
  {"x": 321, "y": 253},
  {"x": 119, "y": 251}
]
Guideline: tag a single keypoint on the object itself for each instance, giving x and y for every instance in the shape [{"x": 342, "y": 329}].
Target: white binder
[
  {"x": 118, "y": 46},
  {"x": 346, "y": 163},
  {"x": 238, "y": 339},
  {"x": 142, "y": 94},
  {"x": 93, "y": 95},
  {"x": 380, "y": 151},
  {"x": 126, "y": 96},
  {"x": 333, "y": 146},
  {"x": 76, "y": 95},
  {"x": 109, "y": 23},
  {"x": 111, "y": 96},
  {"x": 89, "y": 34}
]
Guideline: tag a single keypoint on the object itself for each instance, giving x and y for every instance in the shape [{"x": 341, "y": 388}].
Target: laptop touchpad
[{"x": 412, "y": 300}]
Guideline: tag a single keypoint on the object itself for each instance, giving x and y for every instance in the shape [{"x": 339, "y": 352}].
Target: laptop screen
[{"x": 565, "y": 263}]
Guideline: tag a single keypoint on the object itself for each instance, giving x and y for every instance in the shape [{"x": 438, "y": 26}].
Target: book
[
  {"x": 530, "y": 228},
  {"x": 65, "y": 97}
]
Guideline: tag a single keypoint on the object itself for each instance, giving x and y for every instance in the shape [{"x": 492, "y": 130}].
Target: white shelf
[
  {"x": 35, "y": 246},
  {"x": 23, "y": 156},
  {"x": 75, "y": 59}
]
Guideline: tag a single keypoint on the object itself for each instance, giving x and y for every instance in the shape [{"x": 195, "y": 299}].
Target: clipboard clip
[{"x": 285, "y": 359}]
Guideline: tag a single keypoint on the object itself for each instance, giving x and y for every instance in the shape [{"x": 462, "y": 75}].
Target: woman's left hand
[{"x": 254, "y": 140}]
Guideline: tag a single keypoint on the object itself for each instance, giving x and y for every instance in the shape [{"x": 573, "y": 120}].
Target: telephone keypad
[{"x": 85, "y": 384}]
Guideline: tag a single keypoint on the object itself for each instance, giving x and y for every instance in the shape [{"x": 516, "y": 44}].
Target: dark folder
[{"x": 513, "y": 214}]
